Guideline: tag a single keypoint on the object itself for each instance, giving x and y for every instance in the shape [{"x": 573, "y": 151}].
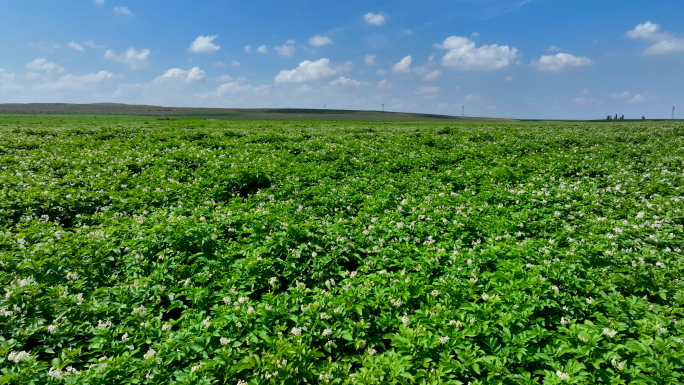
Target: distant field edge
[{"x": 289, "y": 114}]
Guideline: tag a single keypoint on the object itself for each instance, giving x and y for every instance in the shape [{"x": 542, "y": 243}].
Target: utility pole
[
  {"x": 463, "y": 108},
  {"x": 383, "y": 107},
  {"x": 673, "y": 112},
  {"x": 324, "y": 106}
]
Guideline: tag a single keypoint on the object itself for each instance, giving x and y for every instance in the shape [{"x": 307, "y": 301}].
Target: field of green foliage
[{"x": 145, "y": 251}]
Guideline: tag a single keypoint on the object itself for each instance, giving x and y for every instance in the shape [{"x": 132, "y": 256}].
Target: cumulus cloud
[
  {"x": 312, "y": 70},
  {"x": 369, "y": 60},
  {"x": 381, "y": 72},
  {"x": 404, "y": 65},
  {"x": 99, "y": 2},
  {"x": 319, "y": 41},
  {"x": 637, "y": 99},
  {"x": 74, "y": 82},
  {"x": 553, "y": 48},
  {"x": 432, "y": 75},
  {"x": 235, "y": 63},
  {"x": 509, "y": 78},
  {"x": 287, "y": 49},
  {"x": 375, "y": 18},
  {"x": 262, "y": 49},
  {"x": 132, "y": 58},
  {"x": 76, "y": 46},
  {"x": 204, "y": 44},
  {"x": 248, "y": 49},
  {"x": 43, "y": 64},
  {"x": 664, "y": 42},
  {"x": 463, "y": 54},
  {"x": 192, "y": 75},
  {"x": 122, "y": 10},
  {"x": 343, "y": 81},
  {"x": 560, "y": 62}
]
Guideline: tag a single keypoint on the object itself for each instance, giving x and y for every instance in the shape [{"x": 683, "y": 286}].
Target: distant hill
[{"x": 229, "y": 113}]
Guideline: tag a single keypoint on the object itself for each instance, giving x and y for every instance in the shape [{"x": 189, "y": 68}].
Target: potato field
[{"x": 135, "y": 250}]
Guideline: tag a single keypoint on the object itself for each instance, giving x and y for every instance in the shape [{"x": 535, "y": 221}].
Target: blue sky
[{"x": 503, "y": 58}]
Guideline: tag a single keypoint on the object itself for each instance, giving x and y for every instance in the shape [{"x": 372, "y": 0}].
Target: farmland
[{"x": 142, "y": 251}]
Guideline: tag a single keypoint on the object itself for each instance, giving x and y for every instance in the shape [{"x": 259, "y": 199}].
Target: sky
[{"x": 531, "y": 59}]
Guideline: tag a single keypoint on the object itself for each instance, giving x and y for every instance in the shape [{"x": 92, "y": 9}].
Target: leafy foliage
[{"x": 139, "y": 251}]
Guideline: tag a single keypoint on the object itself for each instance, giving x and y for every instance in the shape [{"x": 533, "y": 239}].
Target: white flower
[
  {"x": 444, "y": 339},
  {"x": 435, "y": 293},
  {"x": 240, "y": 382},
  {"x": 125, "y": 338},
  {"x": 555, "y": 288},
  {"x": 662, "y": 330},
  {"x": 297, "y": 331},
  {"x": 590, "y": 300},
  {"x": 238, "y": 324},
  {"x": 55, "y": 373},
  {"x": 250, "y": 310},
  {"x": 166, "y": 327},
  {"x": 372, "y": 351},
  {"x": 16, "y": 357},
  {"x": 224, "y": 341},
  {"x": 563, "y": 376},
  {"x": 327, "y": 332},
  {"x": 226, "y": 300},
  {"x": 206, "y": 322},
  {"x": 405, "y": 320},
  {"x": 196, "y": 367},
  {"x": 150, "y": 354},
  {"x": 52, "y": 329},
  {"x": 485, "y": 296}
]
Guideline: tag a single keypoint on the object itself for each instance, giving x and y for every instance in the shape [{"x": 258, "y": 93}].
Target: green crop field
[{"x": 142, "y": 251}]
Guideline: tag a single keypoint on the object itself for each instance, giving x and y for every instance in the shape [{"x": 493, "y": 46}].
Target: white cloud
[
  {"x": 624, "y": 94},
  {"x": 204, "y": 44},
  {"x": 220, "y": 64},
  {"x": 286, "y": 49},
  {"x": 375, "y": 18},
  {"x": 664, "y": 42},
  {"x": 381, "y": 72},
  {"x": 76, "y": 46},
  {"x": 509, "y": 78},
  {"x": 43, "y": 64},
  {"x": 560, "y": 62},
  {"x": 430, "y": 91},
  {"x": 235, "y": 87},
  {"x": 637, "y": 99},
  {"x": 647, "y": 30},
  {"x": 92, "y": 44},
  {"x": 404, "y": 65},
  {"x": 442, "y": 106},
  {"x": 580, "y": 100},
  {"x": 235, "y": 63},
  {"x": 131, "y": 57},
  {"x": 99, "y": 2},
  {"x": 248, "y": 49},
  {"x": 311, "y": 70},
  {"x": 262, "y": 49},
  {"x": 463, "y": 54},
  {"x": 192, "y": 75},
  {"x": 407, "y": 32},
  {"x": 319, "y": 41},
  {"x": 343, "y": 81},
  {"x": 384, "y": 84},
  {"x": 122, "y": 10},
  {"x": 224, "y": 78},
  {"x": 4, "y": 75},
  {"x": 474, "y": 35},
  {"x": 74, "y": 82},
  {"x": 432, "y": 75},
  {"x": 553, "y": 48},
  {"x": 369, "y": 60}
]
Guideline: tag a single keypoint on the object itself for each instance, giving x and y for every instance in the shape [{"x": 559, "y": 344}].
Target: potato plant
[{"x": 145, "y": 251}]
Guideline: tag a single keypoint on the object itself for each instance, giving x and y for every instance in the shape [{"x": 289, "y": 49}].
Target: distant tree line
[{"x": 616, "y": 117}]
